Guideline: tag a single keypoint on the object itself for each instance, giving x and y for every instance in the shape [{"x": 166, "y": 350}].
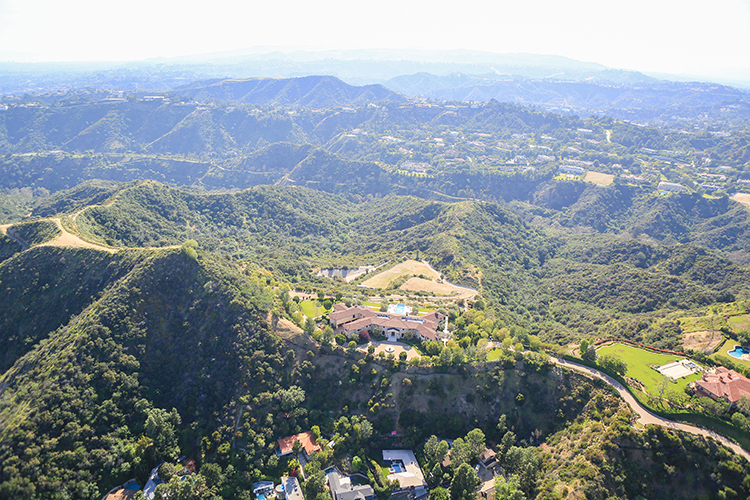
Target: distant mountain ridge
[
  {"x": 308, "y": 91},
  {"x": 653, "y": 101}
]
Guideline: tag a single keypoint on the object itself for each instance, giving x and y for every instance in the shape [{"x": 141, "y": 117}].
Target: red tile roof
[
  {"x": 360, "y": 318},
  {"x": 724, "y": 383},
  {"x": 306, "y": 438}
]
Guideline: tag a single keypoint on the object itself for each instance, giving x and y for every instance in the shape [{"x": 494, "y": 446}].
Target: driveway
[
  {"x": 396, "y": 348},
  {"x": 645, "y": 416}
]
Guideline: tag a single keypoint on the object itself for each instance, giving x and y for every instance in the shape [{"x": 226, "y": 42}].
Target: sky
[{"x": 668, "y": 36}]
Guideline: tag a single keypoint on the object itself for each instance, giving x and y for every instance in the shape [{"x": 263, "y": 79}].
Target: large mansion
[
  {"x": 355, "y": 320},
  {"x": 723, "y": 383}
]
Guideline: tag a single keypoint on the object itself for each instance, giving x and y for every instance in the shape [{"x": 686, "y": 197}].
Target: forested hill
[
  {"x": 307, "y": 91},
  {"x": 174, "y": 331},
  {"x": 530, "y": 276}
]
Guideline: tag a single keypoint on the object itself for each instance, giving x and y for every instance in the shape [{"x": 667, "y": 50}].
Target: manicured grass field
[
  {"x": 311, "y": 309},
  {"x": 639, "y": 361},
  {"x": 494, "y": 354}
]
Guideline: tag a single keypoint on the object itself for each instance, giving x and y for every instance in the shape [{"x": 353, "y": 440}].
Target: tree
[
  {"x": 297, "y": 447},
  {"x": 166, "y": 471},
  {"x": 613, "y": 364},
  {"x": 438, "y": 494},
  {"x": 590, "y": 354},
  {"x": 459, "y": 453},
  {"x": 523, "y": 462},
  {"x": 434, "y": 452},
  {"x": 508, "y": 489},
  {"x": 292, "y": 397},
  {"x": 314, "y": 486},
  {"x": 465, "y": 483},
  {"x": 583, "y": 347},
  {"x": 475, "y": 443},
  {"x": 328, "y": 335},
  {"x": 193, "y": 489},
  {"x": 213, "y": 474},
  {"x": 743, "y": 405},
  {"x": 161, "y": 427},
  {"x": 309, "y": 326}
]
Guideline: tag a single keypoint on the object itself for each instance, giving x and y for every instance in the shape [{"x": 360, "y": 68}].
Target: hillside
[
  {"x": 177, "y": 350},
  {"x": 308, "y": 91},
  {"x": 558, "y": 285},
  {"x": 185, "y": 308},
  {"x": 655, "y": 102},
  {"x": 99, "y": 366}
]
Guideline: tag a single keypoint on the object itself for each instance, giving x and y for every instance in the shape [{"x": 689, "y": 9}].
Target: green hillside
[{"x": 187, "y": 334}]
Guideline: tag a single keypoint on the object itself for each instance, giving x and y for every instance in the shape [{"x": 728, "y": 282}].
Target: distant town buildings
[
  {"x": 671, "y": 187},
  {"x": 415, "y": 167},
  {"x": 570, "y": 169}
]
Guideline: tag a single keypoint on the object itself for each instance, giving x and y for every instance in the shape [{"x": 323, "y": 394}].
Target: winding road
[{"x": 645, "y": 416}]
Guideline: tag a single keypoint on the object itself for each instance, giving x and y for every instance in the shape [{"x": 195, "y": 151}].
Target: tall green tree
[{"x": 465, "y": 483}]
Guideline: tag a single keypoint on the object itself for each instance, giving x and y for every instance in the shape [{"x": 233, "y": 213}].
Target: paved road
[{"x": 645, "y": 416}]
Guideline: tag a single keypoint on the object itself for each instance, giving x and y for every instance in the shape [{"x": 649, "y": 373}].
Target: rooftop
[
  {"x": 412, "y": 475},
  {"x": 724, "y": 383},
  {"x": 307, "y": 440}
]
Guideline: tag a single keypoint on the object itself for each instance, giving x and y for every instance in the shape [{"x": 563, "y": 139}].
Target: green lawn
[
  {"x": 311, "y": 309},
  {"x": 639, "y": 361},
  {"x": 494, "y": 354}
]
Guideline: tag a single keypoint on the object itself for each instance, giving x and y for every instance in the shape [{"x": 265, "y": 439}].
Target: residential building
[
  {"x": 342, "y": 489},
  {"x": 671, "y": 186},
  {"x": 404, "y": 468},
  {"x": 264, "y": 490},
  {"x": 569, "y": 169},
  {"x": 355, "y": 320},
  {"x": 723, "y": 383},
  {"x": 290, "y": 489},
  {"x": 285, "y": 446}
]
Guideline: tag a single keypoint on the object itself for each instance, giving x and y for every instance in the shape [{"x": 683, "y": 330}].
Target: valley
[{"x": 206, "y": 271}]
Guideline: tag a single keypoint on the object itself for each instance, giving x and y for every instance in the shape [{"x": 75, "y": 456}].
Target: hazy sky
[{"x": 678, "y": 36}]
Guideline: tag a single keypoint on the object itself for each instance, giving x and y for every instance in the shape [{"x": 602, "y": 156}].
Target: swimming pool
[
  {"x": 737, "y": 352},
  {"x": 400, "y": 309},
  {"x": 396, "y": 468}
]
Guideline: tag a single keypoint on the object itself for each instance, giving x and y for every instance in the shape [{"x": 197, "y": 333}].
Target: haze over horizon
[{"x": 682, "y": 38}]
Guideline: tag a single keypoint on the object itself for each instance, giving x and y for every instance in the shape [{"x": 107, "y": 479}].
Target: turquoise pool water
[
  {"x": 737, "y": 352},
  {"x": 400, "y": 309}
]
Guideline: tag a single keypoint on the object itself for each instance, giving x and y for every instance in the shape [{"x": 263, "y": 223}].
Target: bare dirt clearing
[
  {"x": 67, "y": 239},
  {"x": 742, "y": 198},
  {"x": 406, "y": 268},
  {"x": 4, "y": 228},
  {"x": 422, "y": 285},
  {"x": 599, "y": 178},
  {"x": 706, "y": 341}
]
